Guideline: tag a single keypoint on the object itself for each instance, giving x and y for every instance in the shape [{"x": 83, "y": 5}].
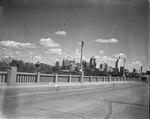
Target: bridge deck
[{"x": 114, "y": 102}]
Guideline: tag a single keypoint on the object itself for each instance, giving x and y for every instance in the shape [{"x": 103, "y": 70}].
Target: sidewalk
[{"x": 53, "y": 87}]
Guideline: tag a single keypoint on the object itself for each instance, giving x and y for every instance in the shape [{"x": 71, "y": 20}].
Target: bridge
[{"x": 53, "y": 96}]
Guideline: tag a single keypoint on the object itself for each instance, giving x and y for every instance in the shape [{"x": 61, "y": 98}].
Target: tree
[{"x": 7, "y": 61}]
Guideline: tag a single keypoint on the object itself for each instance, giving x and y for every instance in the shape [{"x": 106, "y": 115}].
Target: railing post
[
  {"x": 97, "y": 78},
  {"x": 56, "y": 78},
  {"x": 110, "y": 78},
  {"x": 38, "y": 78},
  {"x": 69, "y": 78},
  {"x": 104, "y": 79},
  {"x": 11, "y": 76},
  {"x": 90, "y": 78}
]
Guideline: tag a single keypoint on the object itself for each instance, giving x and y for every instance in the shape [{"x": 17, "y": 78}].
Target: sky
[{"x": 52, "y": 30}]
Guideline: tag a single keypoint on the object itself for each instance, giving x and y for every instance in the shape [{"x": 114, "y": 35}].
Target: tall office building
[
  {"x": 117, "y": 65},
  {"x": 57, "y": 65},
  {"x": 122, "y": 70},
  {"x": 101, "y": 66},
  {"x": 105, "y": 67},
  {"x": 92, "y": 63}
]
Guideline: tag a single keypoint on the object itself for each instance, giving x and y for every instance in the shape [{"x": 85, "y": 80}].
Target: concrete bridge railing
[{"x": 12, "y": 77}]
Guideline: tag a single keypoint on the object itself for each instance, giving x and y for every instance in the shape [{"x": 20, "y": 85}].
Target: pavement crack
[
  {"x": 86, "y": 117},
  {"x": 109, "y": 110},
  {"x": 128, "y": 103}
]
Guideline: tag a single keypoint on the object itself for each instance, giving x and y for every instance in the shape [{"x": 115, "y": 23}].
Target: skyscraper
[
  {"x": 117, "y": 65},
  {"x": 122, "y": 70},
  {"x": 92, "y": 63},
  {"x": 105, "y": 67},
  {"x": 57, "y": 65},
  {"x": 101, "y": 67}
]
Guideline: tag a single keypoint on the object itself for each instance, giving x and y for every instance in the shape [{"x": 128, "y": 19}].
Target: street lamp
[{"x": 82, "y": 43}]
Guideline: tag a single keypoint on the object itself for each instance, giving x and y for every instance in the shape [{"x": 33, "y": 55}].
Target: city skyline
[
  {"x": 116, "y": 68},
  {"x": 51, "y": 31}
]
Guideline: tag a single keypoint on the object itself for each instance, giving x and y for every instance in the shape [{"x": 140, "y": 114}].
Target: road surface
[{"x": 128, "y": 101}]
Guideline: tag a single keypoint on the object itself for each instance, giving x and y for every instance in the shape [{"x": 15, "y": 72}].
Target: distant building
[
  {"x": 101, "y": 66},
  {"x": 65, "y": 64},
  {"x": 122, "y": 69},
  {"x": 110, "y": 68},
  {"x": 115, "y": 70},
  {"x": 57, "y": 65},
  {"x": 126, "y": 72},
  {"x": 117, "y": 65},
  {"x": 148, "y": 72},
  {"x": 72, "y": 65},
  {"x": 92, "y": 63},
  {"x": 72, "y": 62},
  {"x": 87, "y": 65},
  {"x": 105, "y": 67},
  {"x": 135, "y": 70}
]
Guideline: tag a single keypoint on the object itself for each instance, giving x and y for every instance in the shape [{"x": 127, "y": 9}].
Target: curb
[{"x": 25, "y": 90}]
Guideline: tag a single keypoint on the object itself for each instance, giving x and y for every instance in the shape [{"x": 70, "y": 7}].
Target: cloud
[
  {"x": 74, "y": 55},
  {"x": 134, "y": 65},
  {"x": 97, "y": 57},
  {"x": 16, "y": 44},
  {"x": 121, "y": 55},
  {"x": 105, "y": 58},
  {"x": 38, "y": 57},
  {"x": 31, "y": 53},
  {"x": 63, "y": 33},
  {"x": 143, "y": 57},
  {"x": 101, "y": 52},
  {"x": 57, "y": 51},
  {"x": 138, "y": 63},
  {"x": 77, "y": 52},
  {"x": 17, "y": 52},
  {"x": 48, "y": 42},
  {"x": 79, "y": 43},
  {"x": 112, "y": 40}
]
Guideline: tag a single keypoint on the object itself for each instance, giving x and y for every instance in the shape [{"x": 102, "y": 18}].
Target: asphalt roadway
[{"x": 128, "y": 101}]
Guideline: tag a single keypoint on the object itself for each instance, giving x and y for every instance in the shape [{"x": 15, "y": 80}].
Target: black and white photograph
[{"x": 74, "y": 59}]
